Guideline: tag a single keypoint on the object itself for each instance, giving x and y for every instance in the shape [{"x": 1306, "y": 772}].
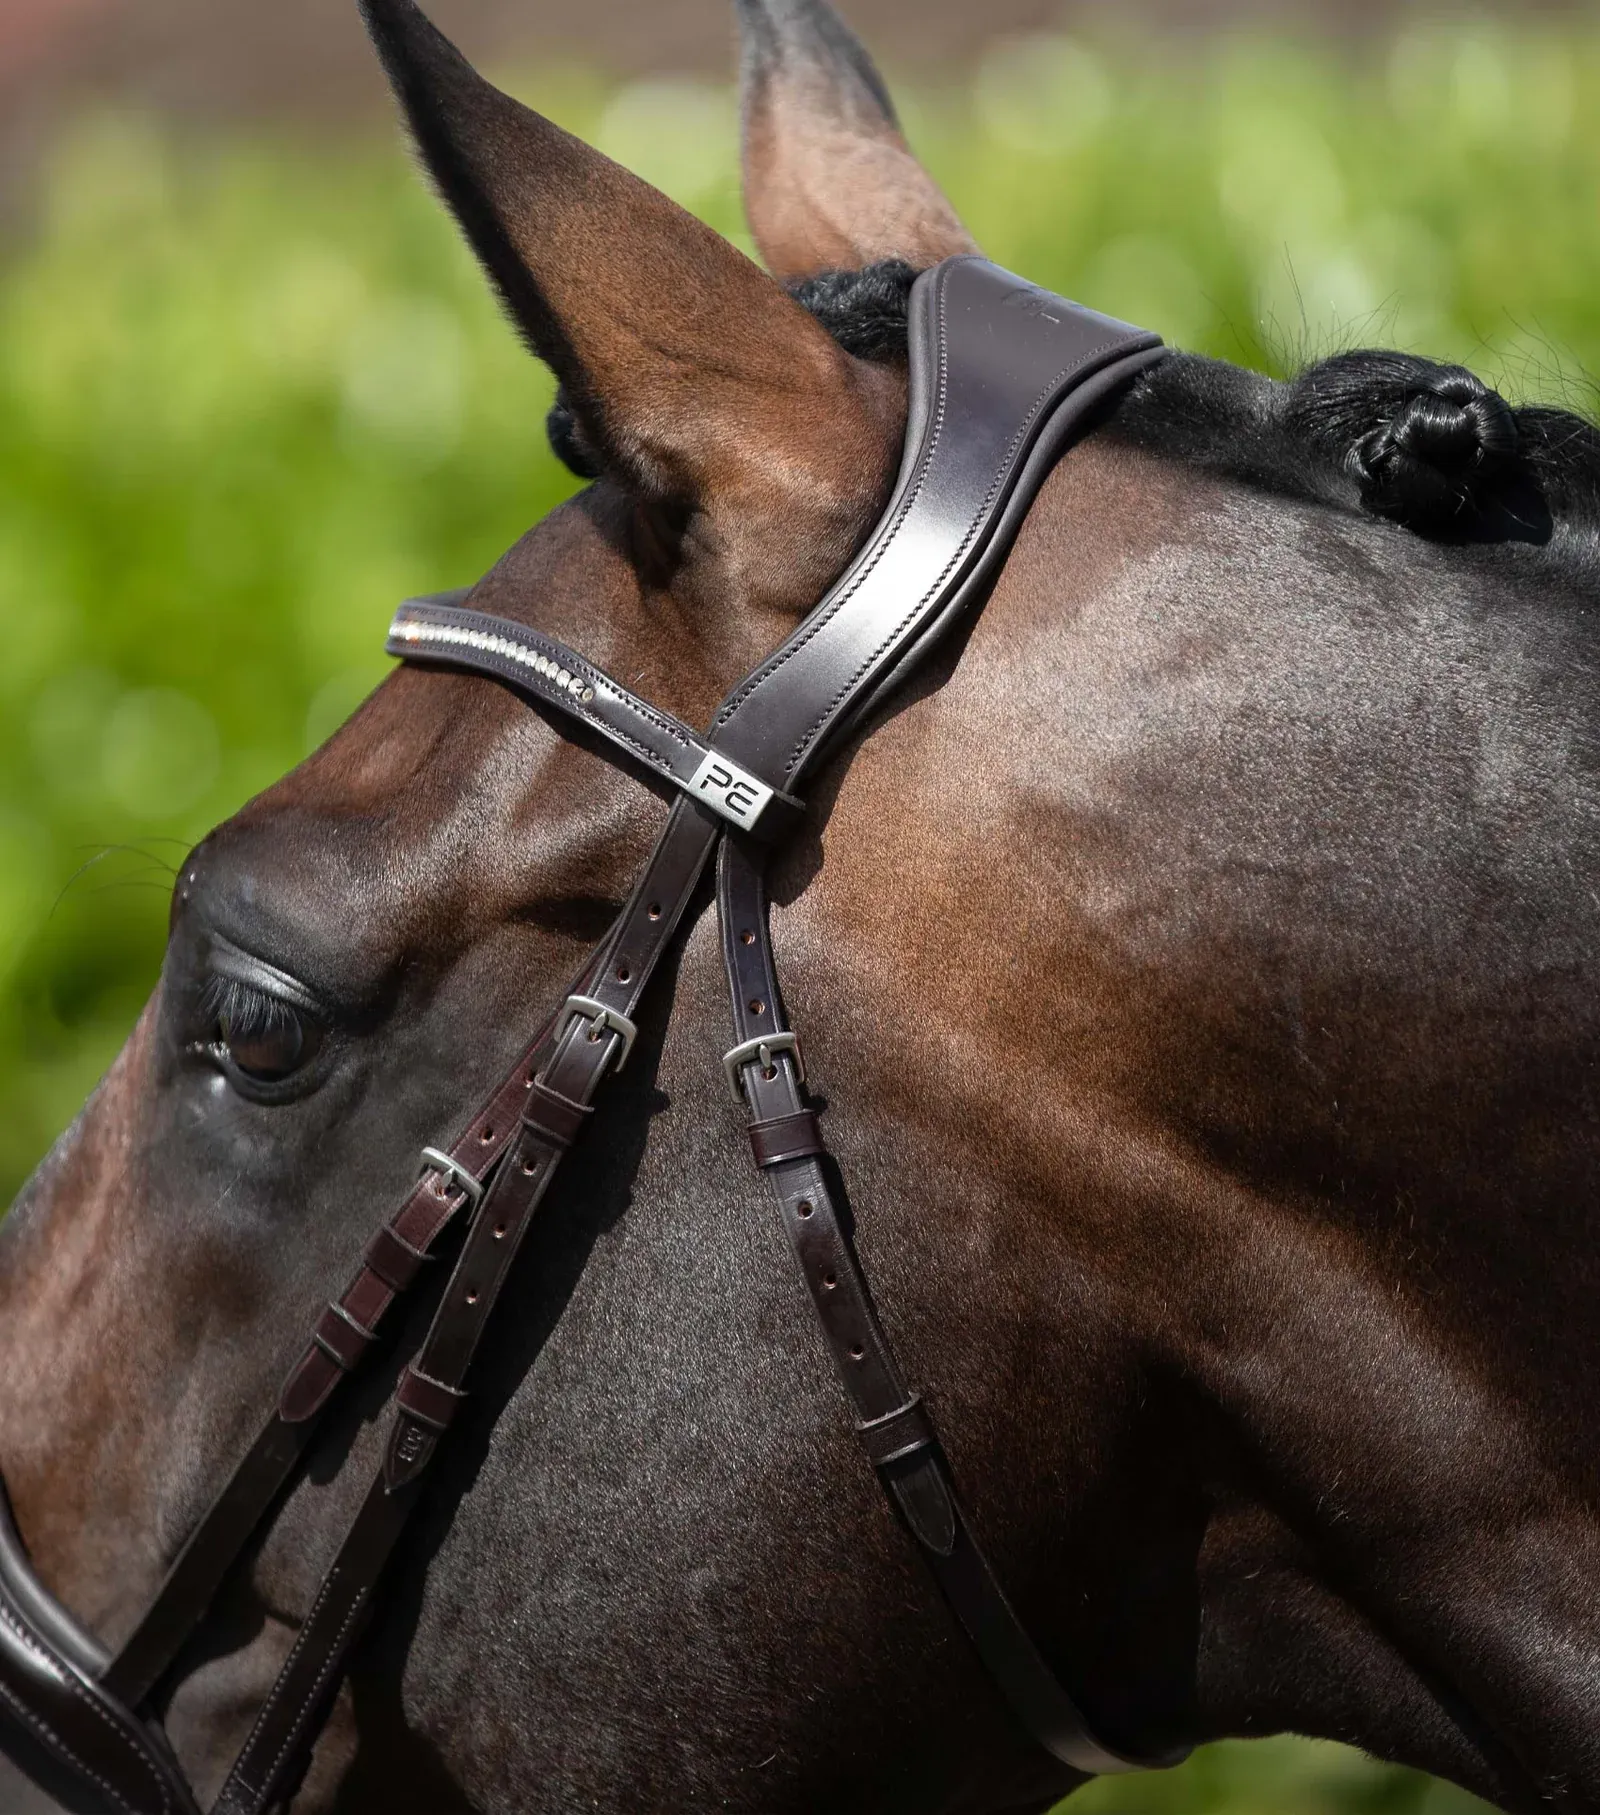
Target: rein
[{"x": 1002, "y": 375}]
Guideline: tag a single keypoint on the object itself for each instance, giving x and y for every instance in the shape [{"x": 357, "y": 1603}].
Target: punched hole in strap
[
  {"x": 341, "y": 1338},
  {"x": 431, "y": 1402},
  {"x": 896, "y": 1434}
]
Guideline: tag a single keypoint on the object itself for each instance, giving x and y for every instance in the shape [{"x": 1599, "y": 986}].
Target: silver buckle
[
  {"x": 599, "y": 1017},
  {"x": 762, "y": 1049},
  {"x": 454, "y": 1174}
]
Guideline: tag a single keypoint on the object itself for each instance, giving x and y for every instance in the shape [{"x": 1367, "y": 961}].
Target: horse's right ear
[{"x": 829, "y": 181}]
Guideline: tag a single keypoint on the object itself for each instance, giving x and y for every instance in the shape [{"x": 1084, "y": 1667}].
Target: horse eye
[
  {"x": 270, "y": 1053},
  {"x": 261, "y": 1037}
]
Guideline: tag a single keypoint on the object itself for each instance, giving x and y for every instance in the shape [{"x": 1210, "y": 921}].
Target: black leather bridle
[{"x": 1002, "y": 375}]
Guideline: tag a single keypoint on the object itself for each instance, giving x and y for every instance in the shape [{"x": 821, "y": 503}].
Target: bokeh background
[{"x": 252, "y": 392}]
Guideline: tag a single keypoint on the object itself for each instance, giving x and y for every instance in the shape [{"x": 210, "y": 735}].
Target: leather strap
[
  {"x": 392, "y": 1263},
  {"x": 393, "y": 1260},
  {"x": 901, "y": 592},
  {"x": 890, "y": 1420},
  {"x": 965, "y": 460},
  {"x": 786, "y": 1137},
  {"x": 970, "y": 472},
  {"x": 64, "y": 1728},
  {"x": 428, "y": 1402},
  {"x": 555, "y": 1119},
  {"x": 894, "y": 1436},
  {"x": 1003, "y": 374}
]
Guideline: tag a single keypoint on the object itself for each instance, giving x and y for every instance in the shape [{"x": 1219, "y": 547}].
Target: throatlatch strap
[{"x": 890, "y": 1420}]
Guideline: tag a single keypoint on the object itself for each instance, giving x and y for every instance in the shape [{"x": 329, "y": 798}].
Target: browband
[
  {"x": 437, "y": 628},
  {"x": 1002, "y": 374}
]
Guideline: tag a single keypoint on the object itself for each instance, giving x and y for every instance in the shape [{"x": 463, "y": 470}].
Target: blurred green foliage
[
  {"x": 1274, "y": 1777},
  {"x": 251, "y": 394}
]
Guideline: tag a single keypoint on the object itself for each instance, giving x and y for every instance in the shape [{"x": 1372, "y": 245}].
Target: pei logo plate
[{"x": 729, "y": 790}]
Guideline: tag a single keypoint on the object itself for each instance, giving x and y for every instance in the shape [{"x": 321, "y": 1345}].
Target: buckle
[
  {"x": 763, "y": 1049},
  {"x": 600, "y": 1018},
  {"x": 454, "y": 1173}
]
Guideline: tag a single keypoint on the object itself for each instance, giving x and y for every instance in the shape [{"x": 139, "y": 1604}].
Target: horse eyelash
[{"x": 247, "y": 1013}]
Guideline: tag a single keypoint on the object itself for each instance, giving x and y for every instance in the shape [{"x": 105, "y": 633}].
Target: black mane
[
  {"x": 1476, "y": 472},
  {"x": 1428, "y": 446}
]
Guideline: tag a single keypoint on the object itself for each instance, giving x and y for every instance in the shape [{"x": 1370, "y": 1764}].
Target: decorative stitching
[
  {"x": 54, "y": 1739},
  {"x": 238, "y": 1774},
  {"x": 818, "y": 623},
  {"x": 979, "y": 519},
  {"x": 331, "y": 1662},
  {"x": 810, "y": 631}
]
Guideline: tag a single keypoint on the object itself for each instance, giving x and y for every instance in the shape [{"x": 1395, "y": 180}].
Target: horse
[{"x": 1200, "y": 980}]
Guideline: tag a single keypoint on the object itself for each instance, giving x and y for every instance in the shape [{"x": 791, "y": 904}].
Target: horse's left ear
[
  {"x": 695, "y": 379},
  {"x": 829, "y": 181}
]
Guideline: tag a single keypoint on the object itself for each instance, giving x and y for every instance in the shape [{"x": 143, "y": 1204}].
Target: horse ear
[
  {"x": 829, "y": 182},
  {"x": 693, "y": 375}
]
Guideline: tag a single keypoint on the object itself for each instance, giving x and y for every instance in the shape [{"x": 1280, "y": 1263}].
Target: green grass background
[{"x": 252, "y": 393}]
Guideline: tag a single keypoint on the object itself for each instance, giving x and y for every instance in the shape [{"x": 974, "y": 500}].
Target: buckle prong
[
  {"x": 600, "y": 1019},
  {"x": 454, "y": 1173},
  {"x": 761, "y": 1049}
]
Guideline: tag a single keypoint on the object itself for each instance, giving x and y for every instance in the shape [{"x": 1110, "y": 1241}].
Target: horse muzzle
[{"x": 58, "y": 1723}]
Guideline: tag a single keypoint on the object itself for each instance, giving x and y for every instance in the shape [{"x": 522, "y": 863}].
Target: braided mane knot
[{"x": 1442, "y": 455}]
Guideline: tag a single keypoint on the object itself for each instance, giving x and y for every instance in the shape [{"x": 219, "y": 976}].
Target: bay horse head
[{"x": 1201, "y": 965}]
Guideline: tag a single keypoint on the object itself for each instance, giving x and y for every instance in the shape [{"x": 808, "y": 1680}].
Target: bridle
[{"x": 1002, "y": 375}]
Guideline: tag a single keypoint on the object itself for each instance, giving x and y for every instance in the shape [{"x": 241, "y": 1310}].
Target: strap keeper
[
  {"x": 429, "y": 1401},
  {"x": 556, "y": 1119},
  {"x": 393, "y": 1259},
  {"x": 786, "y": 1137},
  {"x": 343, "y": 1340},
  {"x": 896, "y": 1434}
]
